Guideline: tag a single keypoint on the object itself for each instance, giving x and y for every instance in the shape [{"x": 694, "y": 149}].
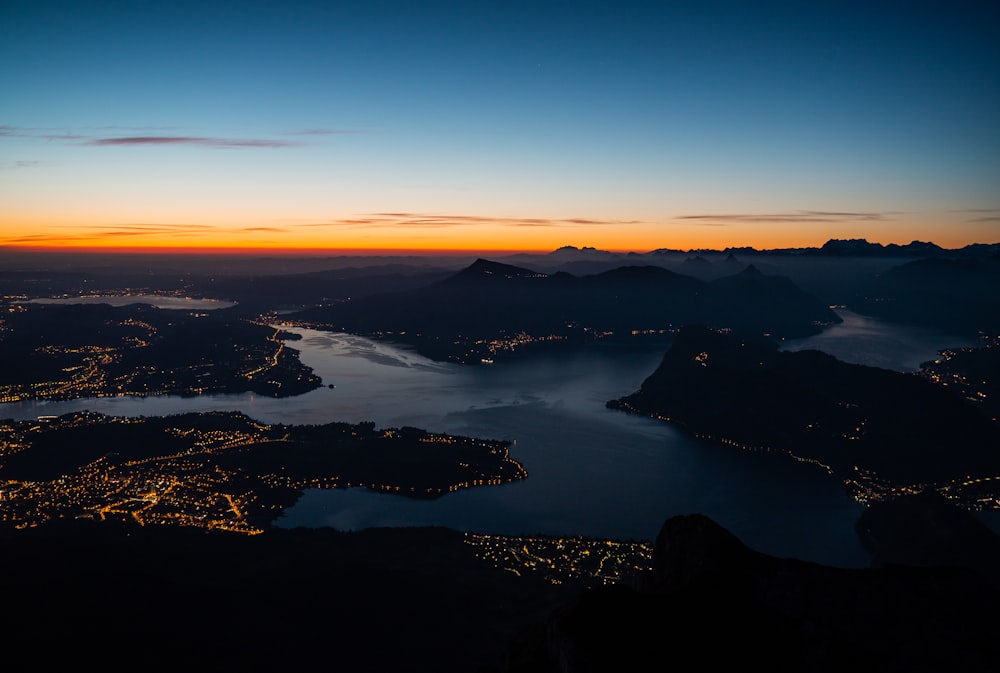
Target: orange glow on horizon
[
  {"x": 271, "y": 250},
  {"x": 398, "y": 234}
]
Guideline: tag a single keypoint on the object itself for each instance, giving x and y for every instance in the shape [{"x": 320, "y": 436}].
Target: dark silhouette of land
[
  {"x": 420, "y": 599},
  {"x": 960, "y": 295},
  {"x": 96, "y": 350},
  {"x": 490, "y": 310},
  {"x": 118, "y": 596},
  {"x": 712, "y": 600},
  {"x": 973, "y": 372},
  {"x": 881, "y": 432}
]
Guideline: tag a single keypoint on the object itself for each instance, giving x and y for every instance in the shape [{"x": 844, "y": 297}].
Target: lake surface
[
  {"x": 877, "y": 343},
  {"x": 592, "y": 471}
]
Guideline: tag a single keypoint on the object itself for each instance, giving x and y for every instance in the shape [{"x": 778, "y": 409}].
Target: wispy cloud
[
  {"x": 20, "y": 165},
  {"x": 985, "y": 214},
  {"x": 90, "y": 136},
  {"x": 798, "y": 216},
  {"x": 39, "y": 133},
  {"x": 431, "y": 221},
  {"x": 323, "y": 132},
  {"x": 154, "y": 228},
  {"x": 97, "y": 233},
  {"x": 218, "y": 143}
]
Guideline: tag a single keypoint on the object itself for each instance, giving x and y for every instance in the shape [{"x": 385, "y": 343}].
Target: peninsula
[
  {"x": 882, "y": 433},
  {"x": 59, "y": 352},
  {"x": 222, "y": 470}
]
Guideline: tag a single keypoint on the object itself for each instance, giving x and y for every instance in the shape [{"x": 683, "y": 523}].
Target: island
[
  {"x": 882, "y": 433},
  {"x": 221, "y": 470}
]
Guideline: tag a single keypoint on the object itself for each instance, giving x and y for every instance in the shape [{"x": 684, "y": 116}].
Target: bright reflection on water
[
  {"x": 869, "y": 341},
  {"x": 592, "y": 471}
]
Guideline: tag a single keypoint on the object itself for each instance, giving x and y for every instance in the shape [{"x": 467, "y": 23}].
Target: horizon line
[{"x": 399, "y": 252}]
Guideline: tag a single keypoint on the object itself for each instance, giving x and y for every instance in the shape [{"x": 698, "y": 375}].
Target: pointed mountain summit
[
  {"x": 486, "y": 270},
  {"x": 751, "y": 276}
]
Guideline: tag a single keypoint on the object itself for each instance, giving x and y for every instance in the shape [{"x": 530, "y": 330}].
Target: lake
[
  {"x": 877, "y": 343},
  {"x": 592, "y": 471}
]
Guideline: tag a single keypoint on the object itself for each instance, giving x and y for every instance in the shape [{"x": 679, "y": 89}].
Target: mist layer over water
[{"x": 876, "y": 343}]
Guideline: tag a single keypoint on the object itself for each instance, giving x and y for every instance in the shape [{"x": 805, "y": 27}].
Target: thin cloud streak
[
  {"x": 424, "y": 220},
  {"x": 97, "y": 233},
  {"x": 218, "y": 143},
  {"x": 72, "y": 135},
  {"x": 21, "y": 165},
  {"x": 323, "y": 132},
  {"x": 155, "y": 227},
  {"x": 801, "y": 216}
]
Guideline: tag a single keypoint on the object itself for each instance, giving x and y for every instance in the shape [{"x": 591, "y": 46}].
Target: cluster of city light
[
  {"x": 939, "y": 373},
  {"x": 173, "y": 489},
  {"x": 975, "y": 493},
  {"x": 188, "y": 486},
  {"x": 562, "y": 559},
  {"x": 89, "y": 376},
  {"x": 519, "y": 340}
]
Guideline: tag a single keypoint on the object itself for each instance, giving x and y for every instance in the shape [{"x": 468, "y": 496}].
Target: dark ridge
[
  {"x": 641, "y": 274},
  {"x": 926, "y": 529},
  {"x": 484, "y": 269},
  {"x": 713, "y": 600},
  {"x": 956, "y": 295},
  {"x": 872, "y": 428}
]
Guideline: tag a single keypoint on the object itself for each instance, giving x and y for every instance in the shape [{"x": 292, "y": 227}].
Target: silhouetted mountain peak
[
  {"x": 586, "y": 252},
  {"x": 689, "y": 546},
  {"x": 484, "y": 269},
  {"x": 752, "y": 276},
  {"x": 860, "y": 247},
  {"x": 920, "y": 246},
  {"x": 697, "y": 260},
  {"x": 850, "y": 246},
  {"x": 639, "y": 273}
]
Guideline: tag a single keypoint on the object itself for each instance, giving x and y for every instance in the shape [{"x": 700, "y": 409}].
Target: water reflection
[
  {"x": 592, "y": 471},
  {"x": 877, "y": 343}
]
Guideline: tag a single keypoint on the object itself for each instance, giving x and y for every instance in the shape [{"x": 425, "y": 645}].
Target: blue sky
[{"x": 492, "y": 125}]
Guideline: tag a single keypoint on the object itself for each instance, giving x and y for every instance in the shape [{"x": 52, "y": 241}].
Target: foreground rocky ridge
[
  {"x": 419, "y": 599},
  {"x": 715, "y": 601}
]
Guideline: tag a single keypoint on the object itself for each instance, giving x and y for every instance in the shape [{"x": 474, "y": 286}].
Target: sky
[{"x": 496, "y": 126}]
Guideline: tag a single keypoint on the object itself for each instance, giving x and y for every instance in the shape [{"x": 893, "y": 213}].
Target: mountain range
[{"x": 490, "y": 303}]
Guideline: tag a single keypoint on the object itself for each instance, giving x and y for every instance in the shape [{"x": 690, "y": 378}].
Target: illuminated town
[
  {"x": 971, "y": 372},
  {"x": 562, "y": 559},
  {"x": 221, "y": 470},
  {"x": 59, "y": 352}
]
